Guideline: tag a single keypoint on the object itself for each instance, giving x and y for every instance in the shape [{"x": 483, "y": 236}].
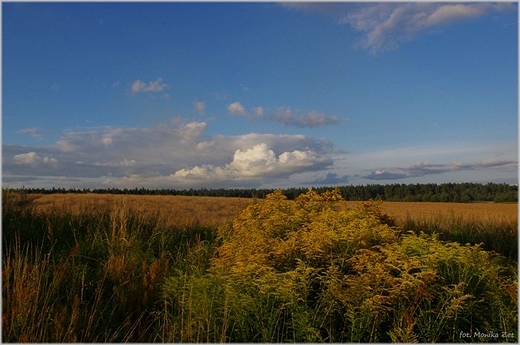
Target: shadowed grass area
[
  {"x": 93, "y": 276},
  {"x": 310, "y": 270},
  {"x": 500, "y": 236}
]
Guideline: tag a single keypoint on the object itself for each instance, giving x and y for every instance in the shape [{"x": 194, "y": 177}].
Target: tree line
[{"x": 430, "y": 192}]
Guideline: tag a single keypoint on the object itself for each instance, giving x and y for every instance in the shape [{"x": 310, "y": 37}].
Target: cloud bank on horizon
[
  {"x": 167, "y": 156},
  {"x": 180, "y": 155},
  {"x": 357, "y": 108}
]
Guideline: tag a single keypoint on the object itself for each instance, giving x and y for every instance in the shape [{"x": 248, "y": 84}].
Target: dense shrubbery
[
  {"x": 309, "y": 271},
  {"x": 302, "y": 271}
]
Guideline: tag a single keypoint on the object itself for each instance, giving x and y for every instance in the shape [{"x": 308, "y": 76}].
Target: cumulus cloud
[
  {"x": 387, "y": 25},
  {"x": 259, "y": 159},
  {"x": 425, "y": 168},
  {"x": 236, "y": 108},
  {"x": 151, "y": 86},
  {"x": 257, "y": 162},
  {"x": 169, "y": 155},
  {"x": 30, "y": 158}
]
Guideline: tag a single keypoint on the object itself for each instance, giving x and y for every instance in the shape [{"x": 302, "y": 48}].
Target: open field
[
  {"x": 468, "y": 211},
  {"x": 172, "y": 210},
  {"x": 186, "y": 210},
  {"x": 494, "y": 224}
]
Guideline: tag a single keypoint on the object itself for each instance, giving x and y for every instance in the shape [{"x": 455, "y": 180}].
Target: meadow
[{"x": 112, "y": 268}]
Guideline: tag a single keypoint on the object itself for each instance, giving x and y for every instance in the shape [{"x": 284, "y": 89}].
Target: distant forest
[{"x": 445, "y": 192}]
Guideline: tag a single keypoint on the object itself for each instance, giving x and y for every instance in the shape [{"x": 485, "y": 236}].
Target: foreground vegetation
[{"x": 304, "y": 271}]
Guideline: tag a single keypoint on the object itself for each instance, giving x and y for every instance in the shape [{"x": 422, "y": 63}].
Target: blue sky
[{"x": 189, "y": 95}]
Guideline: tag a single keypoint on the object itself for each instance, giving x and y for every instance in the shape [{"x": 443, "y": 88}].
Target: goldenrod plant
[{"x": 313, "y": 271}]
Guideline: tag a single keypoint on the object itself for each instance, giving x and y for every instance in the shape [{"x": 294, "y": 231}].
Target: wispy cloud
[
  {"x": 284, "y": 115},
  {"x": 424, "y": 168},
  {"x": 387, "y": 25},
  {"x": 152, "y": 86},
  {"x": 35, "y": 132},
  {"x": 290, "y": 117}
]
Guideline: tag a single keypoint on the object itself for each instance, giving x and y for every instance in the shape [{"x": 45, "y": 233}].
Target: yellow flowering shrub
[
  {"x": 316, "y": 229},
  {"x": 311, "y": 270},
  {"x": 427, "y": 290}
]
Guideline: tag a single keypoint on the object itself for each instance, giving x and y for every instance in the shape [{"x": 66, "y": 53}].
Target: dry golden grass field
[{"x": 198, "y": 210}]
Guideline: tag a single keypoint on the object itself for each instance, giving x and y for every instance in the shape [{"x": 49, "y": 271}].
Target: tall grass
[
  {"x": 303, "y": 271},
  {"x": 95, "y": 276},
  {"x": 498, "y": 235}
]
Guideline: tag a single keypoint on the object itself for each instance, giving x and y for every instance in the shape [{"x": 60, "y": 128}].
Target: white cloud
[
  {"x": 452, "y": 12},
  {"x": 30, "y": 158},
  {"x": 236, "y": 108},
  {"x": 33, "y": 159},
  {"x": 183, "y": 155},
  {"x": 174, "y": 155},
  {"x": 151, "y": 86},
  {"x": 138, "y": 86},
  {"x": 35, "y": 132},
  {"x": 253, "y": 162},
  {"x": 192, "y": 130},
  {"x": 205, "y": 172},
  {"x": 257, "y": 162},
  {"x": 386, "y": 25}
]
